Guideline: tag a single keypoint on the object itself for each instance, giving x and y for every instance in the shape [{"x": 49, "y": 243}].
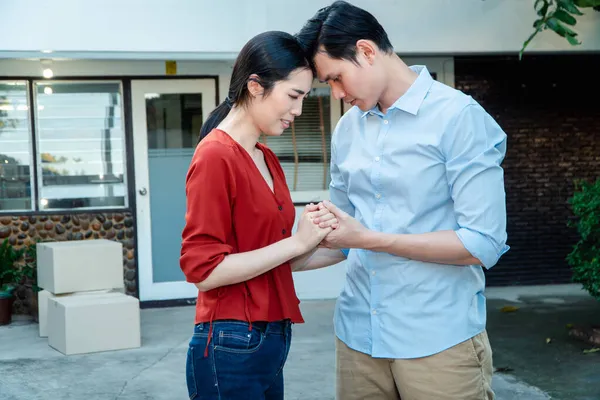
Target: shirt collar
[{"x": 413, "y": 98}]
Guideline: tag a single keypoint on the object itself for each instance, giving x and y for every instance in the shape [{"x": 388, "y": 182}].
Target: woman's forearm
[
  {"x": 240, "y": 267},
  {"x": 317, "y": 258}
]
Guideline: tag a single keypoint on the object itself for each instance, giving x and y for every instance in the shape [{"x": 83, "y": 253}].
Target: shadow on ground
[
  {"x": 29, "y": 369},
  {"x": 534, "y": 343}
]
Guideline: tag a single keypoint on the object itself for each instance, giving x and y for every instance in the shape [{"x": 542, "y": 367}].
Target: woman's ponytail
[{"x": 215, "y": 118}]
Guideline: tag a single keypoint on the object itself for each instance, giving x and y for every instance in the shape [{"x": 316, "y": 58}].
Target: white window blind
[
  {"x": 15, "y": 147},
  {"x": 304, "y": 149},
  {"x": 81, "y": 144}
]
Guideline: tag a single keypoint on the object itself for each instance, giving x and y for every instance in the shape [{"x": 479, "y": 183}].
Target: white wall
[{"x": 201, "y": 29}]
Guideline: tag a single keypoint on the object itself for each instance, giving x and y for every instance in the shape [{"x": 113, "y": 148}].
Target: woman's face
[{"x": 275, "y": 112}]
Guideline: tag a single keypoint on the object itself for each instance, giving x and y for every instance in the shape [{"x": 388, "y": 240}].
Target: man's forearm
[{"x": 443, "y": 247}]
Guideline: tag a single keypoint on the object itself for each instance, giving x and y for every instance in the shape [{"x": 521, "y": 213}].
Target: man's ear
[
  {"x": 367, "y": 50},
  {"x": 254, "y": 87}
]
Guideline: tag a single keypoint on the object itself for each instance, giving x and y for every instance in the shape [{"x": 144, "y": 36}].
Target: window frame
[
  {"x": 36, "y": 134},
  {"x": 31, "y": 147}
]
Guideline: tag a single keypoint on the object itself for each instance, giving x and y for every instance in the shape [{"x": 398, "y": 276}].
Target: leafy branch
[{"x": 559, "y": 16}]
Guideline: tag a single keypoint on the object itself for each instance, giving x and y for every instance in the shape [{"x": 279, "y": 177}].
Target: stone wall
[
  {"x": 553, "y": 139},
  {"x": 21, "y": 230}
]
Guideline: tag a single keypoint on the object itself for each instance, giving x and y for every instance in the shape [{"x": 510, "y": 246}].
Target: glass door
[{"x": 167, "y": 116}]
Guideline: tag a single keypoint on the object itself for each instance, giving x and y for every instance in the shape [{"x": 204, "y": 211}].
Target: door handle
[{"x": 143, "y": 191}]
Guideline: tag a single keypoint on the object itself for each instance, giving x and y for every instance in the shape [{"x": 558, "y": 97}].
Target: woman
[{"x": 237, "y": 242}]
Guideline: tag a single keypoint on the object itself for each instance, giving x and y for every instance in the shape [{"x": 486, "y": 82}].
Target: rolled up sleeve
[
  {"x": 210, "y": 191},
  {"x": 475, "y": 149}
]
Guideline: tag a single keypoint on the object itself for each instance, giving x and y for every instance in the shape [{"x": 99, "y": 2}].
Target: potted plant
[
  {"x": 29, "y": 272},
  {"x": 10, "y": 277}
]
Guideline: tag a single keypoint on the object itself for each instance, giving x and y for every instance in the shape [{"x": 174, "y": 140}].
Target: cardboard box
[
  {"x": 78, "y": 266},
  {"x": 93, "y": 323},
  {"x": 43, "y": 297}
]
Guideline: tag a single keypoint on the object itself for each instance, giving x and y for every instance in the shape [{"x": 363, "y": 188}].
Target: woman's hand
[{"x": 309, "y": 234}]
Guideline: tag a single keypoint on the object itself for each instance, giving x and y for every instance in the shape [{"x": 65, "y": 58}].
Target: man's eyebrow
[{"x": 299, "y": 91}]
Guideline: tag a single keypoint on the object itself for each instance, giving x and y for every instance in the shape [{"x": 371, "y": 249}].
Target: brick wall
[
  {"x": 553, "y": 138},
  {"x": 26, "y": 229}
]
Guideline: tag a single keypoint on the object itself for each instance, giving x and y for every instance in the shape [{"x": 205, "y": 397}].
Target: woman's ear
[{"x": 254, "y": 87}]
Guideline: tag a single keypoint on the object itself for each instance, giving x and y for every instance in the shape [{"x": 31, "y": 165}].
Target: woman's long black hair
[{"x": 271, "y": 56}]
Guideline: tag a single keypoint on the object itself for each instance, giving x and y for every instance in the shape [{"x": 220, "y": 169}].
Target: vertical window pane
[
  {"x": 174, "y": 121},
  {"x": 304, "y": 149},
  {"x": 15, "y": 147},
  {"x": 81, "y": 144}
]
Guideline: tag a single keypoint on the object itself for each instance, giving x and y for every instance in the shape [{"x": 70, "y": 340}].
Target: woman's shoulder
[{"x": 215, "y": 147}]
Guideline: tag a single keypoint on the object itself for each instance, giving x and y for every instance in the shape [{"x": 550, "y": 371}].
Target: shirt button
[
  {"x": 385, "y": 121},
  {"x": 374, "y": 312},
  {"x": 377, "y": 196},
  {"x": 377, "y": 159},
  {"x": 283, "y": 232},
  {"x": 373, "y": 273},
  {"x": 280, "y": 208}
]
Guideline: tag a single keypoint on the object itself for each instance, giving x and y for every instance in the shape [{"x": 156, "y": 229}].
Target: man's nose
[{"x": 338, "y": 93}]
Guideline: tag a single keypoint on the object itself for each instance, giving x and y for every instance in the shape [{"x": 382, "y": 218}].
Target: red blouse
[{"x": 231, "y": 209}]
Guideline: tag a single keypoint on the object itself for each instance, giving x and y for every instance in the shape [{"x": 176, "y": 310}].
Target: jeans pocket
[
  {"x": 190, "y": 374},
  {"x": 238, "y": 339}
]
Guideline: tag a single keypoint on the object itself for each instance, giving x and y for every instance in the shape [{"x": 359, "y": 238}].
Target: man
[{"x": 417, "y": 188}]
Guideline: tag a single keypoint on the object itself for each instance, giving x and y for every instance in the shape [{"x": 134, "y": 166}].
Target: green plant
[
  {"x": 559, "y": 16},
  {"x": 585, "y": 257},
  {"x": 29, "y": 268},
  {"x": 10, "y": 273}
]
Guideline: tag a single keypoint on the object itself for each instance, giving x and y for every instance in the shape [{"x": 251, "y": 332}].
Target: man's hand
[
  {"x": 442, "y": 247},
  {"x": 348, "y": 232}
]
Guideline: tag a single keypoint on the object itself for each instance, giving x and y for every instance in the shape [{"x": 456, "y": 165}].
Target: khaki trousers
[{"x": 462, "y": 372}]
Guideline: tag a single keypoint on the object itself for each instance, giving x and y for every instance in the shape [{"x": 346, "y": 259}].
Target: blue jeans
[{"x": 240, "y": 363}]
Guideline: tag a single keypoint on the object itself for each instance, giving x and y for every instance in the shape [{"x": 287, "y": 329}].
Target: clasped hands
[{"x": 325, "y": 225}]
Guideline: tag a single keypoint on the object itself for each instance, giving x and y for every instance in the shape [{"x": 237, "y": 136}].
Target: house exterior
[{"x": 101, "y": 105}]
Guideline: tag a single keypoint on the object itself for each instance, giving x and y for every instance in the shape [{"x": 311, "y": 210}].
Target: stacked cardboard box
[{"x": 82, "y": 307}]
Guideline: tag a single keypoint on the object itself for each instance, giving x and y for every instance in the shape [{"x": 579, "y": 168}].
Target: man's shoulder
[
  {"x": 350, "y": 117},
  {"x": 445, "y": 104},
  {"x": 348, "y": 121},
  {"x": 452, "y": 100}
]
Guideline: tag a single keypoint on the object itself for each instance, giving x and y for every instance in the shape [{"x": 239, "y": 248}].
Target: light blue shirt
[{"x": 431, "y": 163}]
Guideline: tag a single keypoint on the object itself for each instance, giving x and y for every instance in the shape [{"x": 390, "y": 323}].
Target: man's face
[{"x": 357, "y": 85}]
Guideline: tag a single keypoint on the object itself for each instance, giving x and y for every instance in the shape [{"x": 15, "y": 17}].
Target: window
[
  {"x": 15, "y": 147},
  {"x": 80, "y": 145},
  {"x": 304, "y": 149}
]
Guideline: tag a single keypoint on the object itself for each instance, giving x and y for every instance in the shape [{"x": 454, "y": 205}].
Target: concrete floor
[
  {"x": 30, "y": 369},
  {"x": 535, "y": 344}
]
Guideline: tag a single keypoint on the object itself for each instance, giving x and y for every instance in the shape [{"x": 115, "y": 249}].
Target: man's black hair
[{"x": 336, "y": 29}]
